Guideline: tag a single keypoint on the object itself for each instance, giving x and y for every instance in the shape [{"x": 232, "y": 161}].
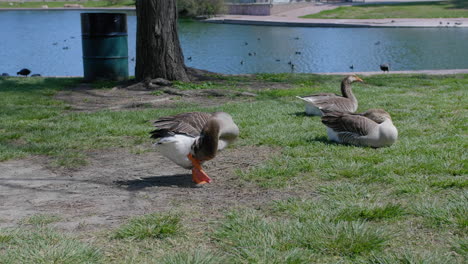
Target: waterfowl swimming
[
  {"x": 189, "y": 139},
  {"x": 332, "y": 102},
  {"x": 373, "y": 128}
]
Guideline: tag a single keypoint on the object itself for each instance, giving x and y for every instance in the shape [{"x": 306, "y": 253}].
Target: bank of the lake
[{"x": 283, "y": 193}]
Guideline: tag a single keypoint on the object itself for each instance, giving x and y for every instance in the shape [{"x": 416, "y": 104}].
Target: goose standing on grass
[
  {"x": 332, "y": 102},
  {"x": 189, "y": 139},
  {"x": 24, "y": 72},
  {"x": 373, "y": 128},
  {"x": 385, "y": 67}
]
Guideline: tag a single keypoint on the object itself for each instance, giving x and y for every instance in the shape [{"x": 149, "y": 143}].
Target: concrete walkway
[
  {"x": 291, "y": 18},
  {"x": 428, "y": 72}
]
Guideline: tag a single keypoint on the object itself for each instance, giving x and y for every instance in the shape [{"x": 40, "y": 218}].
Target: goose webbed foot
[{"x": 198, "y": 175}]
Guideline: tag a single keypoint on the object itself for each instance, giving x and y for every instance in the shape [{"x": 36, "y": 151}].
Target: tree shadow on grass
[
  {"x": 463, "y": 4},
  {"x": 177, "y": 180}
]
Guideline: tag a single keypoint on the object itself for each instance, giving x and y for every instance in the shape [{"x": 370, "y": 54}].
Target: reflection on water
[{"x": 49, "y": 42}]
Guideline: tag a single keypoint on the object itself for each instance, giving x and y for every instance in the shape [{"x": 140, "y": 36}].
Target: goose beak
[
  {"x": 198, "y": 175},
  {"x": 359, "y": 80}
]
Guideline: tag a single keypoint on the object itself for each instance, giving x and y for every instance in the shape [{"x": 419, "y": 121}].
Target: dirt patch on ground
[
  {"x": 118, "y": 184},
  {"x": 84, "y": 98}
]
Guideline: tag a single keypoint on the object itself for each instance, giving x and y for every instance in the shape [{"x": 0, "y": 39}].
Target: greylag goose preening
[
  {"x": 385, "y": 67},
  {"x": 314, "y": 104},
  {"x": 189, "y": 139},
  {"x": 373, "y": 128},
  {"x": 24, "y": 72}
]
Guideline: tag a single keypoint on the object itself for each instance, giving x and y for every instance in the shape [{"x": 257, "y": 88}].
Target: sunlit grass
[
  {"x": 149, "y": 226},
  {"x": 40, "y": 219},
  {"x": 445, "y": 9},
  {"x": 403, "y": 204},
  {"x": 61, "y": 4},
  {"x": 44, "y": 245}
]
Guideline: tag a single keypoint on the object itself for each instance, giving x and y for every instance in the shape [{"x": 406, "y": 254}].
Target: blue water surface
[{"x": 49, "y": 43}]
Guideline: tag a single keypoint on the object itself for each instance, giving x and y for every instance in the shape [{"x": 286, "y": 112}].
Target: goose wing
[
  {"x": 347, "y": 123},
  {"x": 190, "y": 124},
  {"x": 333, "y": 103},
  {"x": 318, "y": 95}
]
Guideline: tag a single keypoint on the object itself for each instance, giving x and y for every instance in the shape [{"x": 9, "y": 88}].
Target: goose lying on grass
[
  {"x": 333, "y": 102},
  {"x": 189, "y": 139},
  {"x": 373, "y": 128}
]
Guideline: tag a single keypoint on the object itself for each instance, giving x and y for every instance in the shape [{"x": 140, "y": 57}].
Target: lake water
[{"x": 27, "y": 39}]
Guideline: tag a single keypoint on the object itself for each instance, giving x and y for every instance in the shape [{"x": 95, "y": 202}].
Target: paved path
[
  {"x": 428, "y": 72},
  {"x": 291, "y": 18}
]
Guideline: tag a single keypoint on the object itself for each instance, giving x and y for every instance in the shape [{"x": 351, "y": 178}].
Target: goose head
[
  {"x": 346, "y": 86},
  {"x": 206, "y": 147},
  {"x": 218, "y": 132},
  {"x": 351, "y": 79}
]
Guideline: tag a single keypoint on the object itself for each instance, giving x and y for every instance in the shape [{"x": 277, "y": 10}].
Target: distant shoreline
[
  {"x": 70, "y": 8},
  {"x": 295, "y": 22},
  {"x": 428, "y": 72}
]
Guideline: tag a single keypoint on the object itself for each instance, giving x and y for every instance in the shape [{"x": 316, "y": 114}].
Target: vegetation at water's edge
[
  {"x": 446, "y": 9},
  {"x": 51, "y": 4},
  {"x": 186, "y": 8},
  {"x": 404, "y": 204},
  {"x": 193, "y": 8}
]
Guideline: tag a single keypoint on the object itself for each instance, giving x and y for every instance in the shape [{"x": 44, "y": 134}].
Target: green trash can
[{"x": 105, "y": 46}]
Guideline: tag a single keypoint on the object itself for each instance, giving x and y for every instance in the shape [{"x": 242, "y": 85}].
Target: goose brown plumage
[
  {"x": 346, "y": 102},
  {"x": 373, "y": 128},
  {"x": 189, "y": 139}
]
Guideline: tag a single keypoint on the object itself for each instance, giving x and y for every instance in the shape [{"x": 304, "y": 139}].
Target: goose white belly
[
  {"x": 388, "y": 134},
  {"x": 176, "y": 148},
  {"x": 333, "y": 136}
]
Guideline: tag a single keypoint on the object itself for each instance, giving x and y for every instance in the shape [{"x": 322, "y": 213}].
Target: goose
[
  {"x": 24, "y": 72},
  {"x": 189, "y": 139},
  {"x": 332, "y": 102},
  {"x": 385, "y": 67},
  {"x": 373, "y": 128}
]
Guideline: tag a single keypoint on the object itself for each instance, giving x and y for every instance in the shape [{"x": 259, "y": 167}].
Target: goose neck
[{"x": 346, "y": 90}]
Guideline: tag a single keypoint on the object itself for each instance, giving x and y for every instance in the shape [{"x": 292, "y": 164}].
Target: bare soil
[{"x": 117, "y": 183}]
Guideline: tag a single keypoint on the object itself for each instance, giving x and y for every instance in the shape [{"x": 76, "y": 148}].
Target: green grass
[
  {"x": 255, "y": 238},
  {"x": 61, "y": 4},
  {"x": 403, "y": 204},
  {"x": 41, "y": 219},
  {"x": 444, "y": 9},
  {"x": 149, "y": 226},
  {"x": 44, "y": 245}
]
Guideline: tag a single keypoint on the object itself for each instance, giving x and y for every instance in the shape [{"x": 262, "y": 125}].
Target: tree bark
[{"x": 158, "y": 51}]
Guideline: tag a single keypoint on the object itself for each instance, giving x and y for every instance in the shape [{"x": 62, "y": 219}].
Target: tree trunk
[{"x": 158, "y": 52}]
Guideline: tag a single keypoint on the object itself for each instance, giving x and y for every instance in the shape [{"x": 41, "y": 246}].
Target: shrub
[{"x": 193, "y": 8}]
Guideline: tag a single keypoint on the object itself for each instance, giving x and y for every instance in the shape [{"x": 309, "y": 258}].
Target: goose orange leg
[{"x": 198, "y": 175}]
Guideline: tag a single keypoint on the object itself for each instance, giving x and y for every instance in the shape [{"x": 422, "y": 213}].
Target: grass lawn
[
  {"x": 61, "y": 4},
  {"x": 444, "y": 9},
  {"x": 407, "y": 203}
]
